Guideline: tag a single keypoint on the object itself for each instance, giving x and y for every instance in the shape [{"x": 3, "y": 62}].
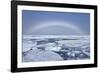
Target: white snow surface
[{"x": 39, "y": 55}]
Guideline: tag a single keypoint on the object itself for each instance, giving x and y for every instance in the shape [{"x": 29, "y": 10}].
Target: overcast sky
[{"x": 55, "y": 23}]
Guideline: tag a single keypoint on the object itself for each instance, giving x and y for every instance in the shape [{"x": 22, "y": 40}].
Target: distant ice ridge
[
  {"x": 54, "y": 36},
  {"x": 61, "y": 47}
]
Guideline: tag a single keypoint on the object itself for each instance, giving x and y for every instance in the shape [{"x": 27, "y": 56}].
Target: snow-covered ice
[
  {"x": 40, "y": 55},
  {"x": 55, "y": 48}
]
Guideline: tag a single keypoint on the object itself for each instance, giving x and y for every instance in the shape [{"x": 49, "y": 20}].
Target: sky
[{"x": 55, "y": 23}]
